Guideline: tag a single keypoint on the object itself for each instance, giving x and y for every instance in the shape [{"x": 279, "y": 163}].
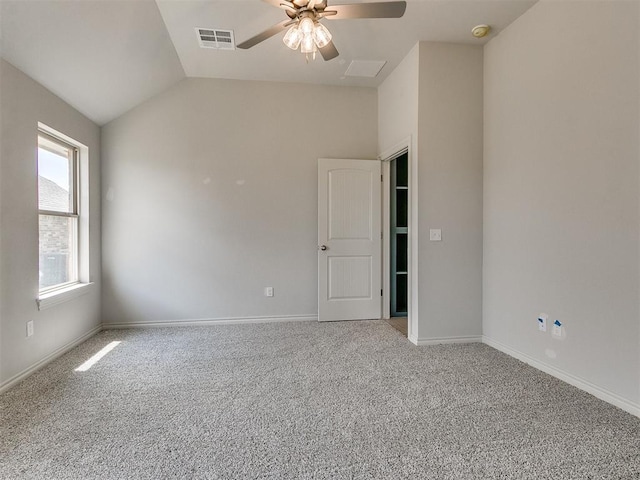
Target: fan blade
[
  {"x": 268, "y": 33},
  {"x": 329, "y": 51},
  {"x": 367, "y": 10}
]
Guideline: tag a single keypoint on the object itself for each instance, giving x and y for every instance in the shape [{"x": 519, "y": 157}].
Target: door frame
[{"x": 405, "y": 146}]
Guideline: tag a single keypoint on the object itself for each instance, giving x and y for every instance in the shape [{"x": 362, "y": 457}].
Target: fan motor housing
[{"x": 302, "y": 6}]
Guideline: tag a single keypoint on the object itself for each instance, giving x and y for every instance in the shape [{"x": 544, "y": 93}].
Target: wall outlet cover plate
[
  {"x": 435, "y": 234},
  {"x": 542, "y": 324},
  {"x": 557, "y": 329}
]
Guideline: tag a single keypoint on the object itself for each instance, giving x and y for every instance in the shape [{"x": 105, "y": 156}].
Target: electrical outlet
[
  {"x": 542, "y": 322},
  {"x": 557, "y": 328},
  {"x": 30, "y": 328},
  {"x": 435, "y": 234},
  {"x": 268, "y": 291}
]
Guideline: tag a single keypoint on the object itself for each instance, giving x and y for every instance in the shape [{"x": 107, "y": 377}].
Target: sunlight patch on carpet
[{"x": 96, "y": 358}]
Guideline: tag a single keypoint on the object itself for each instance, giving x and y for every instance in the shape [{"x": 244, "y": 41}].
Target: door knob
[{"x": 322, "y": 247}]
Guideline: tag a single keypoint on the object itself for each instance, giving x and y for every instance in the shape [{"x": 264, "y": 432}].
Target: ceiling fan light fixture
[
  {"x": 321, "y": 35},
  {"x": 306, "y": 25},
  {"x": 293, "y": 38},
  {"x": 309, "y": 35},
  {"x": 308, "y": 44}
]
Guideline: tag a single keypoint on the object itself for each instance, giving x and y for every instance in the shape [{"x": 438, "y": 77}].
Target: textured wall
[
  {"x": 398, "y": 103},
  {"x": 561, "y": 189},
  {"x": 435, "y": 98},
  {"x": 24, "y": 104},
  {"x": 211, "y": 195},
  {"x": 397, "y": 129},
  {"x": 450, "y": 196}
]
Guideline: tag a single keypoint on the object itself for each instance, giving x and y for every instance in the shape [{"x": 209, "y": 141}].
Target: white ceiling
[
  {"x": 106, "y": 56},
  {"x": 102, "y": 57},
  {"x": 372, "y": 39}
]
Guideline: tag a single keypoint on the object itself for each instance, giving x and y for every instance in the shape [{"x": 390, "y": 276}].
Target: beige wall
[
  {"x": 397, "y": 130},
  {"x": 561, "y": 190},
  {"x": 434, "y": 98},
  {"x": 24, "y": 103},
  {"x": 450, "y": 196},
  {"x": 398, "y": 103},
  {"x": 211, "y": 195}
]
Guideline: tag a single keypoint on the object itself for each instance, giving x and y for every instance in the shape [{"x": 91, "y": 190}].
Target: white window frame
[{"x": 56, "y": 294}]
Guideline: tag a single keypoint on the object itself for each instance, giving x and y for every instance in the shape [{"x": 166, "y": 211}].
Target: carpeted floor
[{"x": 305, "y": 400}]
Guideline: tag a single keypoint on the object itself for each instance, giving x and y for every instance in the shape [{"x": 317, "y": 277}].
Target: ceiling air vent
[
  {"x": 215, "y": 38},
  {"x": 365, "y": 68}
]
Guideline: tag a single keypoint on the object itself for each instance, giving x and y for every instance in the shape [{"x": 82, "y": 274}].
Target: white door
[{"x": 349, "y": 245}]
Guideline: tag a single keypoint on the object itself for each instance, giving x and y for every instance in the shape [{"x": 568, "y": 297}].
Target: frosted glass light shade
[
  {"x": 293, "y": 38},
  {"x": 306, "y": 26},
  {"x": 308, "y": 34},
  {"x": 321, "y": 35},
  {"x": 308, "y": 45}
]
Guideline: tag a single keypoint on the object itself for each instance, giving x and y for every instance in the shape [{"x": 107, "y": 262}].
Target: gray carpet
[{"x": 305, "y": 400}]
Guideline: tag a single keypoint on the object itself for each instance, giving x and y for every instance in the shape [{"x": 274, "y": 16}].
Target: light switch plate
[{"x": 435, "y": 234}]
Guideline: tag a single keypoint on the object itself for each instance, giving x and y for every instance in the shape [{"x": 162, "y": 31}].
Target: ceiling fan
[{"x": 306, "y": 30}]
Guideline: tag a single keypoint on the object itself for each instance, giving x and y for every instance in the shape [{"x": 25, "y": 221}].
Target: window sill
[{"x": 57, "y": 297}]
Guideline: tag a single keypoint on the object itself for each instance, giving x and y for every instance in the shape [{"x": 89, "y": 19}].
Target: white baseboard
[
  {"x": 445, "y": 340},
  {"x": 49, "y": 358},
  {"x": 212, "y": 321},
  {"x": 582, "y": 384}
]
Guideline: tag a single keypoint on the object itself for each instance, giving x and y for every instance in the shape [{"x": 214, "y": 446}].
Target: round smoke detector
[{"x": 480, "y": 31}]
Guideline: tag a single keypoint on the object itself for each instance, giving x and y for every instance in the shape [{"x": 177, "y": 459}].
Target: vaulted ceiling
[{"x": 104, "y": 57}]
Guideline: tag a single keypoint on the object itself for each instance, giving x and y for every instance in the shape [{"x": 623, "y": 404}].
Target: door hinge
[
  {"x": 382, "y": 178},
  {"x": 380, "y": 292}
]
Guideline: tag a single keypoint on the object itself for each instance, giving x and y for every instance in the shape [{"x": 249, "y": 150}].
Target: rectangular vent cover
[
  {"x": 365, "y": 68},
  {"x": 216, "y": 38}
]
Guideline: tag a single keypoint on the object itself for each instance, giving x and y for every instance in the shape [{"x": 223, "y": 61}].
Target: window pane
[
  {"x": 55, "y": 176},
  {"x": 58, "y": 250}
]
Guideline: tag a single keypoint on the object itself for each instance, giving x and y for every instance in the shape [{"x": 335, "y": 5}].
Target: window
[{"x": 58, "y": 205}]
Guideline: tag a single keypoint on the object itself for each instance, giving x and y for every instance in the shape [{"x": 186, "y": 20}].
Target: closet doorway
[{"x": 399, "y": 242}]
